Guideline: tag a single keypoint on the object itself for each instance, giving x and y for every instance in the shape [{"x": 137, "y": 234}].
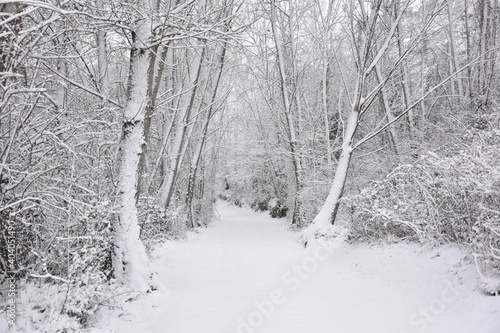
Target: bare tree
[
  {"x": 289, "y": 98},
  {"x": 365, "y": 31}
]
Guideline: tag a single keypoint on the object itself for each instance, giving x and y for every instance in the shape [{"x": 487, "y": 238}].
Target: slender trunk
[
  {"x": 60, "y": 94},
  {"x": 453, "y": 51},
  {"x": 492, "y": 45},
  {"x": 292, "y": 140},
  {"x": 393, "y": 137},
  {"x": 167, "y": 120},
  {"x": 483, "y": 41},
  {"x": 423, "y": 83},
  {"x": 191, "y": 216},
  {"x": 405, "y": 86},
  {"x": 155, "y": 73},
  {"x": 325, "y": 115},
  {"x": 296, "y": 209},
  {"x": 468, "y": 49},
  {"x": 62, "y": 68},
  {"x": 167, "y": 188},
  {"x": 414, "y": 140},
  {"x": 195, "y": 161},
  {"x": 102, "y": 56},
  {"x": 324, "y": 87}
]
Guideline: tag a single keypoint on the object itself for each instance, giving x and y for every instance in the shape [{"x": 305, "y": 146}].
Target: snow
[{"x": 247, "y": 273}]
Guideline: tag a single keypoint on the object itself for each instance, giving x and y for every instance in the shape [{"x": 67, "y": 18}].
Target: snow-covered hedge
[
  {"x": 158, "y": 222},
  {"x": 63, "y": 272},
  {"x": 438, "y": 198}
]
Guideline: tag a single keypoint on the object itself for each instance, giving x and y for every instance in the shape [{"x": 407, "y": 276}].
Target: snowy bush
[
  {"x": 233, "y": 192},
  {"x": 64, "y": 307},
  {"x": 62, "y": 273},
  {"x": 158, "y": 223},
  {"x": 440, "y": 199},
  {"x": 43, "y": 309},
  {"x": 276, "y": 208}
]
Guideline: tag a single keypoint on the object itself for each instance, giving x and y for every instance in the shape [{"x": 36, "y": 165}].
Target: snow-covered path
[{"x": 246, "y": 273}]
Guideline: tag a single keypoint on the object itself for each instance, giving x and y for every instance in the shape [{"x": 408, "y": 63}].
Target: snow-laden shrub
[
  {"x": 396, "y": 207},
  {"x": 64, "y": 273},
  {"x": 276, "y": 208},
  {"x": 157, "y": 223},
  {"x": 441, "y": 199},
  {"x": 41, "y": 309},
  {"x": 90, "y": 266},
  {"x": 58, "y": 307}
]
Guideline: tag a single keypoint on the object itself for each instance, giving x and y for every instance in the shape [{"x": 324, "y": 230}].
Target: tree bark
[{"x": 130, "y": 261}]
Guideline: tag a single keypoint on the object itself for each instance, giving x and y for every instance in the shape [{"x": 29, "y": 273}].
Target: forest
[{"x": 123, "y": 123}]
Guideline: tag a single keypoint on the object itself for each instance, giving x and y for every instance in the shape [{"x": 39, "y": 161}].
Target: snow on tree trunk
[
  {"x": 130, "y": 261},
  {"x": 328, "y": 212}
]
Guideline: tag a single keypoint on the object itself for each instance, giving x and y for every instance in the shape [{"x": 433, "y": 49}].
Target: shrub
[
  {"x": 158, "y": 223},
  {"x": 439, "y": 199},
  {"x": 63, "y": 273}
]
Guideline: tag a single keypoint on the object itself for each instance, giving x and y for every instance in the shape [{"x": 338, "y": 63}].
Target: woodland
[{"x": 123, "y": 122}]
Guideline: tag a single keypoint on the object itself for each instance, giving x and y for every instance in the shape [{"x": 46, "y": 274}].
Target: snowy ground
[{"x": 247, "y": 273}]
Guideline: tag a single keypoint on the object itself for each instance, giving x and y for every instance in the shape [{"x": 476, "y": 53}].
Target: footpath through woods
[{"x": 247, "y": 273}]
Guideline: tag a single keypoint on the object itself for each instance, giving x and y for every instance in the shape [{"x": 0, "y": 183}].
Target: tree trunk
[
  {"x": 483, "y": 46},
  {"x": 195, "y": 161},
  {"x": 393, "y": 136},
  {"x": 329, "y": 210},
  {"x": 406, "y": 91},
  {"x": 130, "y": 261},
  {"x": 325, "y": 82},
  {"x": 167, "y": 187},
  {"x": 157, "y": 65},
  {"x": 102, "y": 56},
  {"x": 455, "y": 65},
  {"x": 468, "y": 50},
  {"x": 292, "y": 139}
]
